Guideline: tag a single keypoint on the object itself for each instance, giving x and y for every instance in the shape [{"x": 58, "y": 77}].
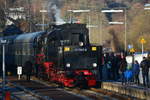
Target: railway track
[
  {"x": 101, "y": 94},
  {"x": 47, "y": 92},
  {"x": 51, "y": 91},
  {"x": 18, "y": 93}
]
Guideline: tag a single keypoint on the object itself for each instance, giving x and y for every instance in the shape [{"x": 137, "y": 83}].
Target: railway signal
[
  {"x": 142, "y": 41},
  {"x": 43, "y": 18}
]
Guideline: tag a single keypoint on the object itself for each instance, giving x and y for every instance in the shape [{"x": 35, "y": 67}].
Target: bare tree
[{"x": 2, "y": 15}]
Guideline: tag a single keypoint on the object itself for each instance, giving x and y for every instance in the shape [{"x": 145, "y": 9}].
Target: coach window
[
  {"x": 19, "y": 52},
  {"x": 23, "y": 52},
  {"x": 29, "y": 52},
  {"x": 16, "y": 52}
]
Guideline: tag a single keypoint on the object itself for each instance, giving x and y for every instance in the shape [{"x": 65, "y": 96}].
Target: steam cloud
[{"x": 55, "y": 12}]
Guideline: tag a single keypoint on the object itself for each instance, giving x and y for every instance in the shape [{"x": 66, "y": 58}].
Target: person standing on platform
[
  {"x": 122, "y": 69},
  {"x": 109, "y": 70},
  {"x": 145, "y": 71},
  {"x": 28, "y": 70},
  {"x": 136, "y": 71}
]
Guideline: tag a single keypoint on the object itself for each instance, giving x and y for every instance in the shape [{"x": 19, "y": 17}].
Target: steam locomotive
[{"x": 62, "y": 53}]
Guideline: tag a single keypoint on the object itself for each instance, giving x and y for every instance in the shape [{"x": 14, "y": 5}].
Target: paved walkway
[{"x": 128, "y": 89}]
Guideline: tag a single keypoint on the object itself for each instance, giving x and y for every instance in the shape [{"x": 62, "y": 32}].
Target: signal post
[{"x": 142, "y": 41}]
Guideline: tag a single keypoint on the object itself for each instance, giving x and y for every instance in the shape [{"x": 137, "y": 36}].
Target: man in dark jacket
[
  {"x": 28, "y": 70},
  {"x": 123, "y": 66},
  {"x": 145, "y": 70}
]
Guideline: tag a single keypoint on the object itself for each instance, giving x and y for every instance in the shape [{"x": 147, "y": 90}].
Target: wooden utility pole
[{"x": 29, "y": 15}]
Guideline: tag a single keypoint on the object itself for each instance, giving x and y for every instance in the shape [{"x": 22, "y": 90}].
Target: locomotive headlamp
[
  {"x": 94, "y": 48},
  {"x": 68, "y": 65},
  {"x": 66, "y": 49},
  {"x": 80, "y": 43},
  {"x": 94, "y": 64}
]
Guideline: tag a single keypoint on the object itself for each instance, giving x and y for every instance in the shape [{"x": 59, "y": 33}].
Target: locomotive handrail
[{"x": 28, "y": 37}]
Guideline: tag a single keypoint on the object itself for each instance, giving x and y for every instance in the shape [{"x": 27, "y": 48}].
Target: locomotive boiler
[{"x": 62, "y": 53}]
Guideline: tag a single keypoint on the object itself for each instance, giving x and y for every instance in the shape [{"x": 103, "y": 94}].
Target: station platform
[{"x": 130, "y": 89}]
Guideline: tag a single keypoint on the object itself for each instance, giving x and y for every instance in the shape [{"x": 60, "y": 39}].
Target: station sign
[{"x": 132, "y": 50}]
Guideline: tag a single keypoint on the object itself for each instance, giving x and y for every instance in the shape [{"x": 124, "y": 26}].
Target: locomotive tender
[{"x": 63, "y": 51}]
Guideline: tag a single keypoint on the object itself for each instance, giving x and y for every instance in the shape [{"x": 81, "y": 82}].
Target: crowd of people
[{"x": 118, "y": 69}]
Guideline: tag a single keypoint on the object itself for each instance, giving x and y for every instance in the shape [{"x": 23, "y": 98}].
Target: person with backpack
[
  {"x": 128, "y": 74},
  {"x": 145, "y": 70},
  {"x": 122, "y": 69},
  {"x": 109, "y": 69}
]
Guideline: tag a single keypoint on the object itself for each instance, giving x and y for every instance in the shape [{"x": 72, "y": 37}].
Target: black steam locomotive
[{"x": 63, "y": 53}]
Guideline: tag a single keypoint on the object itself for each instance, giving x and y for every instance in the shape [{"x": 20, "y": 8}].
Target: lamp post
[
  {"x": 115, "y": 22},
  {"x": 142, "y": 40},
  {"x": 125, "y": 24},
  {"x": 43, "y": 18},
  {"x": 29, "y": 15},
  {"x": 5, "y": 3},
  {"x": 3, "y": 42}
]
